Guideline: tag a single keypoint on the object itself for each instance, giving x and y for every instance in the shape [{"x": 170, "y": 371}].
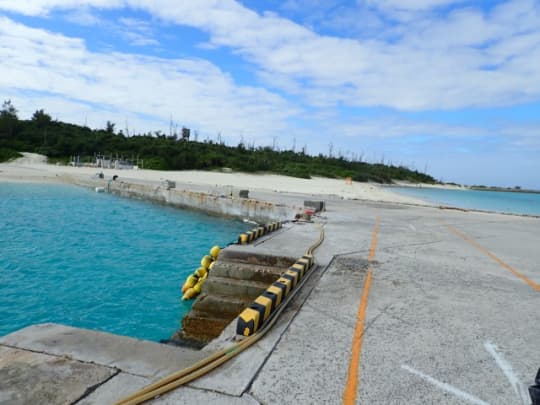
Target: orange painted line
[
  {"x": 374, "y": 240},
  {"x": 353, "y": 378},
  {"x": 493, "y": 257}
]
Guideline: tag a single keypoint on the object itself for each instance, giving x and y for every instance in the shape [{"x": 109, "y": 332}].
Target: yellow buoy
[
  {"x": 190, "y": 282},
  {"x": 205, "y": 261},
  {"x": 198, "y": 287},
  {"x": 211, "y": 265},
  {"x": 200, "y": 272},
  {"x": 189, "y": 294},
  {"x": 214, "y": 252}
]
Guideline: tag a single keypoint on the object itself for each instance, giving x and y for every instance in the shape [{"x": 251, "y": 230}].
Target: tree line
[{"x": 59, "y": 141}]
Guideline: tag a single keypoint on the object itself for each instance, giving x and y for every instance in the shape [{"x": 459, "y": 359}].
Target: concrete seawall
[{"x": 243, "y": 208}]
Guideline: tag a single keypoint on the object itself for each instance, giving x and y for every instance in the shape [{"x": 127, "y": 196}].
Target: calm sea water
[
  {"x": 500, "y": 201},
  {"x": 72, "y": 256}
]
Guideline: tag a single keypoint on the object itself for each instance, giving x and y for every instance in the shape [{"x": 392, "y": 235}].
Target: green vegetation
[
  {"x": 60, "y": 141},
  {"x": 515, "y": 189},
  {"x": 8, "y": 154}
]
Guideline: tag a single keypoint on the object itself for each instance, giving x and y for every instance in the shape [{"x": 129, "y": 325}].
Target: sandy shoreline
[
  {"x": 32, "y": 168},
  {"x": 426, "y": 185}
]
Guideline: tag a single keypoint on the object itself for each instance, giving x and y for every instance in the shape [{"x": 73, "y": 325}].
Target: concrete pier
[
  {"x": 215, "y": 200},
  {"x": 450, "y": 316}
]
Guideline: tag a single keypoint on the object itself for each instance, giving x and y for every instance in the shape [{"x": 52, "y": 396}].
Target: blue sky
[{"x": 448, "y": 86}]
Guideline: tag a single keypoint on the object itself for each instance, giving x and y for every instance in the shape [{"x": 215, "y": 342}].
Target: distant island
[
  {"x": 516, "y": 189},
  {"x": 67, "y": 143}
]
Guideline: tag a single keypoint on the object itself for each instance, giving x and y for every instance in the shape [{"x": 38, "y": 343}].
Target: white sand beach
[{"x": 33, "y": 168}]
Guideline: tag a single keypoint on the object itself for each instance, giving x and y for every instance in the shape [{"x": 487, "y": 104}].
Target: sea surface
[
  {"x": 72, "y": 256},
  {"x": 498, "y": 201}
]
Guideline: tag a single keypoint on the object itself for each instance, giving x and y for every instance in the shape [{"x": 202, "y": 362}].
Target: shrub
[{"x": 8, "y": 154}]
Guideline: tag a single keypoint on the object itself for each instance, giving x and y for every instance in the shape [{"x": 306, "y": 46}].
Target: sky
[{"x": 449, "y": 87}]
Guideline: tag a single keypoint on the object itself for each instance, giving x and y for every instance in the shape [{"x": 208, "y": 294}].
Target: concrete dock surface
[{"x": 407, "y": 304}]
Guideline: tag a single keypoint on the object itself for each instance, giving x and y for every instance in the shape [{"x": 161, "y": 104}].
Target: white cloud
[
  {"x": 83, "y": 16},
  {"x": 138, "y": 32},
  {"x": 43, "y": 7},
  {"x": 395, "y": 126},
  {"x": 467, "y": 58},
  {"x": 80, "y": 112},
  {"x": 195, "y": 92},
  {"x": 463, "y": 59},
  {"x": 411, "y": 5}
]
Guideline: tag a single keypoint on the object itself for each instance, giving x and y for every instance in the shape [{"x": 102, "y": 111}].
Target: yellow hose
[{"x": 213, "y": 361}]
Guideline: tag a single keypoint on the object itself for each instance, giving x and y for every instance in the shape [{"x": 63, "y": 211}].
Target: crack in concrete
[
  {"x": 60, "y": 356},
  {"x": 68, "y": 357},
  {"x": 252, "y": 395},
  {"x": 372, "y": 321},
  {"x": 94, "y": 387},
  {"x": 208, "y": 390},
  {"x": 387, "y": 248},
  {"x": 334, "y": 318},
  {"x": 354, "y": 252}
]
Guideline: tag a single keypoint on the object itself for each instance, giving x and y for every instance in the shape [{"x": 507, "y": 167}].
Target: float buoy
[
  {"x": 214, "y": 252},
  {"x": 191, "y": 280},
  {"x": 206, "y": 261},
  {"x": 189, "y": 294},
  {"x": 201, "y": 272},
  {"x": 194, "y": 282}
]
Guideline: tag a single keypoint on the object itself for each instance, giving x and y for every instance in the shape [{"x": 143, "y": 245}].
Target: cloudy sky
[{"x": 447, "y": 86}]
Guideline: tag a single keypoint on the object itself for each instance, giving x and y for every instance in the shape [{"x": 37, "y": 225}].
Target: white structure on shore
[{"x": 103, "y": 162}]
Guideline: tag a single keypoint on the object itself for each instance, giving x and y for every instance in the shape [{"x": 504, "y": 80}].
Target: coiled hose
[{"x": 213, "y": 361}]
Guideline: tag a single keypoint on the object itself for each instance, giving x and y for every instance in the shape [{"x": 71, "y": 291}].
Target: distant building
[
  {"x": 185, "y": 134},
  {"x": 123, "y": 164},
  {"x": 109, "y": 163},
  {"x": 104, "y": 162}
]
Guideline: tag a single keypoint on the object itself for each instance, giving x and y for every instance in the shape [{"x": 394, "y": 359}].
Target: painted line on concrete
[
  {"x": 373, "y": 246},
  {"x": 492, "y": 256},
  {"x": 519, "y": 388},
  {"x": 353, "y": 380},
  {"x": 445, "y": 387}
]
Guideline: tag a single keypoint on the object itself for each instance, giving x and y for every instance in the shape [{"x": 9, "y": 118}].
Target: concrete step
[
  {"x": 245, "y": 271},
  {"x": 204, "y": 326},
  {"x": 236, "y": 279},
  {"x": 241, "y": 254},
  {"x": 242, "y": 289},
  {"x": 221, "y": 304}
]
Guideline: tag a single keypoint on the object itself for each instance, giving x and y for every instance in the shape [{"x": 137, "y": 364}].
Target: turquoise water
[
  {"x": 76, "y": 257},
  {"x": 500, "y": 201}
]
